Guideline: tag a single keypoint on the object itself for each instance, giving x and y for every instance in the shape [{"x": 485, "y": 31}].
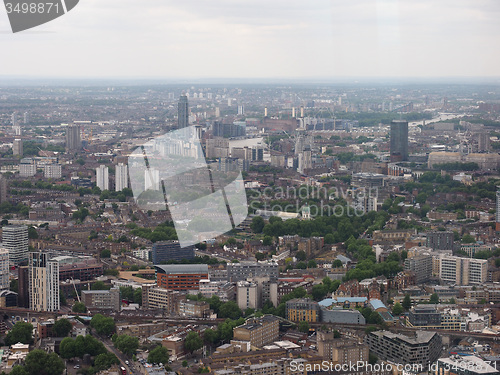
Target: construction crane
[{"x": 76, "y": 291}]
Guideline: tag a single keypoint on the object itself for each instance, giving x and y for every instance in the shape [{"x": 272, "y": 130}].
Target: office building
[
  {"x": 15, "y": 240},
  {"x": 341, "y": 350},
  {"x": 247, "y": 269},
  {"x": 183, "y": 112},
  {"x": 73, "y": 139},
  {"x": 23, "y": 283},
  {"x": 27, "y": 167},
  {"x": 247, "y": 295},
  {"x": 440, "y": 240},
  {"x": 102, "y": 299},
  {"x": 258, "y": 331},
  {"x": 17, "y": 147},
  {"x": 341, "y": 315},
  {"x": 422, "y": 347},
  {"x": 102, "y": 177},
  {"x": 26, "y": 118},
  {"x": 163, "y": 251},
  {"x": 52, "y": 171},
  {"x": 121, "y": 176},
  {"x": 399, "y": 141},
  {"x": 154, "y": 297},
  {"x": 43, "y": 283},
  {"x": 421, "y": 265},
  {"x": 181, "y": 276},
  {"x": 302, "y": 309},
  {"x": 424, "y": 315},
  {"x": 4, "y": 268},
  {"x": 194, "y": 309},
  {"x": 463, "y": 271}
]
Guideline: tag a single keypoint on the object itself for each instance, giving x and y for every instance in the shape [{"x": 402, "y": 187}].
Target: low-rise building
[
  {"x": 258, "y": 332},
  {"x": 102, "y": 299}
]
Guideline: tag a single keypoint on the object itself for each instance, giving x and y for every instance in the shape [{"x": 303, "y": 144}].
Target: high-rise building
[
  {"x": 102, "y": 177},
  {"x": 245, "y": 269},
  {"x": 440, "y": 240},
  {"x": 15, "y": 240},
  {"x": 121, "y": 176},
  {"x": 163, "y": 251},
  {"x": 421, "y": 265},
  {"x": 52, "y": 171},
  {"x": 497, "y": 215},
  {"x": 463, "y": 271},
  {"x": 73, "y": 139},
  {"x": 183, "y": 112},
  {"x": 422, "y": 347},
  {"x": 3, "y": 189},
  {"x": 4, "y": 268},
  {"x": 17, "y": 147},
  {"x": 399, "y": 140},
  {"x": 43, "y": 282},
  {"x": 27, "y": 167},
  {"x": 27, "y": 118}
]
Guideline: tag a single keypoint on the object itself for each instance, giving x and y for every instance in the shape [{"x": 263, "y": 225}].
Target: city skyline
[{"x": 385, "y": 38}]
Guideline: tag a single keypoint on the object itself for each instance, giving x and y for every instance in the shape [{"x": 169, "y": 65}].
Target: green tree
[
  {"x": 312, "y": 264},
  {"x": 267, "y": 241},
  {"x": 397, "y": 309},
  {"x": 32, "y": 233},
  {"x": 301, "y": 255},
  {"x": 39, "y": 362},
  {"x": 257, "y": 224},
  {"x": 20, "y": 332},
  {"x": 126, "y": 344},
  {"x": 104, "y": 361},
  {"x": 406, "y": 302},
  {"x": 193, "y": 342},
  {"x": 337, "y": 263},
  {"x": 106, "y": 253},
  {"x": 79, "y": 307},
  {"x": 158, "y": 355},
  {"x": 61, "y": 328},
  {"x": 67, "y": 348},
  {"x": 18, "y": 370},
  {"x": 184, "y": 363},
  {"x": 230, "y": 310},
  {"x": 100, "y": 285},
  {"x": 103, "y": 325},
  {"x": 336, "y": 334},
  {"x": 434, "y": 298},
  {"x": 372, "y": 358},
  {"x": 304, "y": 326},
  {"x": 467, "y": 238},
  {"x": 210, "y": 336}
]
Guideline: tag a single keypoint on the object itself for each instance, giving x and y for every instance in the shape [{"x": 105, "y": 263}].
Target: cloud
[{"x": 261, "y": 38}]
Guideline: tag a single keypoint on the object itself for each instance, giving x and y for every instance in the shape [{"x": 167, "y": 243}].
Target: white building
[
  {"x": 27, "y": 167},
  {"x": 121, "y": 177},
  {"x": 102, "y": 177},
  {"x": 43, "y": 283},
  {"x": 15, "y": 240},
  {"x": 52, "y": 171},
  {"x": 247, "y": 295},
  {"x": 463, "y": 271},
  {"x": 4, "y": 268}
]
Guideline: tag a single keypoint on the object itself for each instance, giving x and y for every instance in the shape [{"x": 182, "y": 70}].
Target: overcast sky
[{"x": 260, "y": 39}]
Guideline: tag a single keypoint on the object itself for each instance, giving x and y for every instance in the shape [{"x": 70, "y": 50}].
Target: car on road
[
  {"x": 76, "y": 366},
  {"x": 126, "y": 362}
]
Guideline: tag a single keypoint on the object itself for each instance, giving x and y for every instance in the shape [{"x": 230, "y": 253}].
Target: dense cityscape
[{"x": 358, "y": 232}]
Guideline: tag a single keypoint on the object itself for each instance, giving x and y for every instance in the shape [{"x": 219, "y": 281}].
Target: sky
[{"x": 289, "y": 39}]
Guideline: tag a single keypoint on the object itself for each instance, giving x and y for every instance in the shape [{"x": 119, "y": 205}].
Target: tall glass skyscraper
[
  {"x": 399, "y": 140},
  {"x": 183, "y": 112}
]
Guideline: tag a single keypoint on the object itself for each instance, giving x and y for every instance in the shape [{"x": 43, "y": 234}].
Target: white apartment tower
[
  {"x": 121, "y": 177},
  {"x": 4, "y": 268},
  {"x": 15, "y": 240},
  {"x": 43, "y": 283},
  {"x": 102, "y": 177}
]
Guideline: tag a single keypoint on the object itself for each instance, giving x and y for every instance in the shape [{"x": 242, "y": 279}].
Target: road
[{"x": 121, "y": 357}]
